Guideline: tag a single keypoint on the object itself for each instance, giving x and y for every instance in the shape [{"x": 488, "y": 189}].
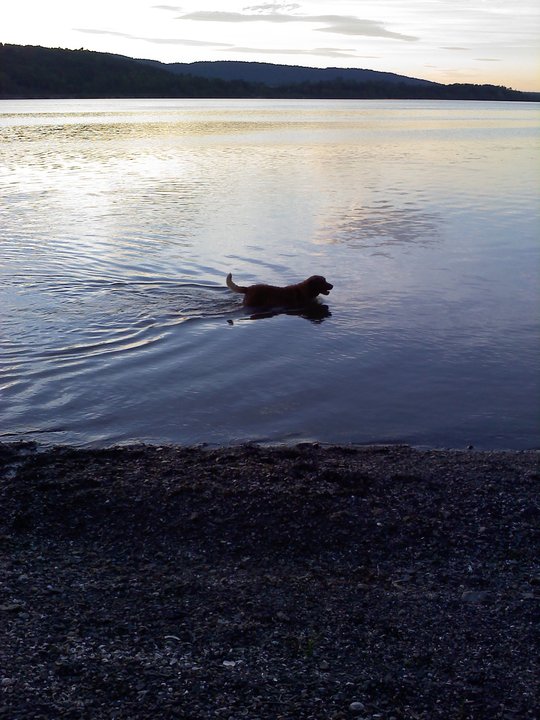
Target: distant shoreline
[
  {"x": 292, "y": 99},
  {"x": 38, "y": 73}
]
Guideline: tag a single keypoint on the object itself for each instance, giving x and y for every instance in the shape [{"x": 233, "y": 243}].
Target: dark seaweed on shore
[{"x": 264, "y": 583}]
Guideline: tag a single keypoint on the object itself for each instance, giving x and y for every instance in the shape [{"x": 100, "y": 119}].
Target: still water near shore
[{"x": 120, "y": 220}]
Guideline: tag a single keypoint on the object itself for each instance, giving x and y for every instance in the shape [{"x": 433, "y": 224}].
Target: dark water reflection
[
  {"x": 315, "y": 312},
  {"x": 120, "y": 220},
  {"x": 383, "y": 225}
]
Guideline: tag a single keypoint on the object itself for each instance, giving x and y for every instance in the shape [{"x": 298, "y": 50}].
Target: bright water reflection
[{"x": 120, "y": 220}]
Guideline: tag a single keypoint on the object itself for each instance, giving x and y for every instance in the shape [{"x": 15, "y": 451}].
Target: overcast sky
[{"x": 480, "y": 41}]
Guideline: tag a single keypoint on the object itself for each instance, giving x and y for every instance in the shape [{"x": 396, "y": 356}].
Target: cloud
[
  {"x": 330, "y": 52},
  {"x": 320, "y": 52},
  {"x": 158, "y": 41},
  {"x": 350, "y": 25},
  {"x": 237, "y": 17},
  {"x": 339, "y": 24},
  {"x": 273, "y": 7},
  {"x": 91, "y": 31}
]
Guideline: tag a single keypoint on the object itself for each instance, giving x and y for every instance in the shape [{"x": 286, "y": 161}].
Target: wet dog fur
[{"x": 291, "y": 296}]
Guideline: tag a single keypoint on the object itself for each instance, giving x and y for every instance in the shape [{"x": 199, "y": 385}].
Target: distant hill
[
  {"x": 38, "y": 72},
  {"x": 276, "y": 75}
]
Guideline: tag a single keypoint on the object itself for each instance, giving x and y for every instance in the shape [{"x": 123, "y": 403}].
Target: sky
[{"x": 476, "y": 41}]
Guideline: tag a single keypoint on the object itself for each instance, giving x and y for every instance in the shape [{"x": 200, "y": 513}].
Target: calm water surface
[{"x": 120, "y": 220}]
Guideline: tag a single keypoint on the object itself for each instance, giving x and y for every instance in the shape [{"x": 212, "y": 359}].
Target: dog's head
[{"x": 318, "y": 286}]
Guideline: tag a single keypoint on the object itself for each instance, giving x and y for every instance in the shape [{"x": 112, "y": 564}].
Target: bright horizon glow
[{"x": 470, "y": 41}]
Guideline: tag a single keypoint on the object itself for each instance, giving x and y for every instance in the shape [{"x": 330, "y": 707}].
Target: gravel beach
[{"x": 268, "y": 583}]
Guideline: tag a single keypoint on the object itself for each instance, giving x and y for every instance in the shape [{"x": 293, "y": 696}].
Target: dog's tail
[{"x": 233, "y": 286}]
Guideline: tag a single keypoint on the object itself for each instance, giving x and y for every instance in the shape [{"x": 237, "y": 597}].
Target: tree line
[{"x": 37, "y": 72}]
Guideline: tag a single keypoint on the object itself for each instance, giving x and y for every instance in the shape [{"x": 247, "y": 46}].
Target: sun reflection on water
[{"x": 120, "y": 220}]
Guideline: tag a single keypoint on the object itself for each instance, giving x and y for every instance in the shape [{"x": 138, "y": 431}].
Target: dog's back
[{"x": 291, "y": 296}]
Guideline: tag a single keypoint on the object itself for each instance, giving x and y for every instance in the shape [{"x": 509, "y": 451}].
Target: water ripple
[
  {"x": 120, "y": 219},
  {"x": 95, "y": 319}
]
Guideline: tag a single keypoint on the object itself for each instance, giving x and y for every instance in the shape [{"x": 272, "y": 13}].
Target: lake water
[{"x": 120, "y": 220}]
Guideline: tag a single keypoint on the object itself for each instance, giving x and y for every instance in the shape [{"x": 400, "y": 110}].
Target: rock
[
  {"x": 13, "y": 607},
  {"x": 285, "y": 607},
  {"x": 475, "y": 596}
]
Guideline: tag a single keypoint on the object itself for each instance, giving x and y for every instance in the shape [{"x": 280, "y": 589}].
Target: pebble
[
  {"x": 475, "y": 596},
  {"x": 13, "y": 607},
  {"x": 156, "y": 584}
]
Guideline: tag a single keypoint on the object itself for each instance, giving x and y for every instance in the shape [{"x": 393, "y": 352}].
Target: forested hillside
[{"x": 38, "y": 72}]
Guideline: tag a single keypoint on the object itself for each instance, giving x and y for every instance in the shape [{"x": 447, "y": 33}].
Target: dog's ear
[{"x": 314, "y": 285}]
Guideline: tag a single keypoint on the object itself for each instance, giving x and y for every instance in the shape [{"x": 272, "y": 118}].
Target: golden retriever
[{"x": 291, "y": 296}]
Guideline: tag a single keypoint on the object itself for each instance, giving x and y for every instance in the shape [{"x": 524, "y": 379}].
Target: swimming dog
[{"x": 291, "y": 296}]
